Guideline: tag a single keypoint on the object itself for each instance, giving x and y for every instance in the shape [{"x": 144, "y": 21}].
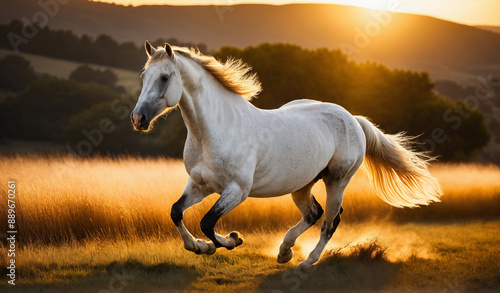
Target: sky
[{"x": 471, "y": 12}]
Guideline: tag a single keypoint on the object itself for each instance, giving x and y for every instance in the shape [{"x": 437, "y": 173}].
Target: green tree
[
  {"x": 46, "y": 106},
  {"x": 108, "y": 131},
  {"x": 397, "y": 100},
  {"x": 15, "y": 73},
  {"x": 102, "y": 50},
  {"x": 85, "y": 74}
]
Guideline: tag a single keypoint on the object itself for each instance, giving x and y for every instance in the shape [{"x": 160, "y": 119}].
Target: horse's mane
[{"x": 233, "y": 74}]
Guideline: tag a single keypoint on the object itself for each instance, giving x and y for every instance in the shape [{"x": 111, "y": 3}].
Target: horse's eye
[{"x": 164, "y": 77}]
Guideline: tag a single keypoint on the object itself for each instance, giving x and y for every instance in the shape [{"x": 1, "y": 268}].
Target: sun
[
  {"x": 370, "y": 4},
  {"x": 374, "y": 4}
]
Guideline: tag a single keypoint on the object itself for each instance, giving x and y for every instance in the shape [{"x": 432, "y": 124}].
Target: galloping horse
[{"x": 237, "y": 150}]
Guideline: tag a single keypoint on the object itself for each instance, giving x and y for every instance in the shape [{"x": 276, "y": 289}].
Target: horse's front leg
[
  {"x": 231, "y": 197},
  {"x": 191, "y": 196}
]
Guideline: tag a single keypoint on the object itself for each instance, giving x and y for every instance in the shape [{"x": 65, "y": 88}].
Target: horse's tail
[{"x": 398, "y": 174}]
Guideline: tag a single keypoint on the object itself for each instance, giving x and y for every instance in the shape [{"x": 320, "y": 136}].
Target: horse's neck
[{"x": 208, "y": 109}]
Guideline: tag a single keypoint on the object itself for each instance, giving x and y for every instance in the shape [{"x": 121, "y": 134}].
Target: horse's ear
[
  {"x": 169, "y": 50},
  {"x": 149, "y": 49}
]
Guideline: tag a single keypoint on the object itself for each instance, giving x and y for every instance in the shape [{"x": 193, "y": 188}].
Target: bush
[
  {"x": 46, "y": 106},
  {"x": 397, "y": 100},
  {"x": 87, "y": 74},
  {"x": 15, "y": 73}
]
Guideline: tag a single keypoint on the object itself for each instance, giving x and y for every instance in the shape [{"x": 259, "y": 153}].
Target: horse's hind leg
[
  {"x": 335, "y": 182},
  {"x": 191, "y": 196},
  {"x": 311, "y": 212}
]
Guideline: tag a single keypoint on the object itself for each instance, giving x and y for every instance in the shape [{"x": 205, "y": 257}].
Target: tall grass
[{"x": 61, "y": 199}]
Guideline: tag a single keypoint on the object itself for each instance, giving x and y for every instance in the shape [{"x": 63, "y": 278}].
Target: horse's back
[
  {"x": 302, "y": 102},
  {"x": 327, "y": 117},
  {"x": 313, "y": 108},
  {"x": 307, "y": 137}
]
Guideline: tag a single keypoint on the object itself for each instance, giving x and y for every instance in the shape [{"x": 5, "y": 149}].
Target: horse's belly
[
  {"x": 280, "y": 184},
  {"x": 288, "y": 170}
]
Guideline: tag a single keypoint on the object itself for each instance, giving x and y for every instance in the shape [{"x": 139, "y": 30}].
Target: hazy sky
[{"x": 473, "y": 12}]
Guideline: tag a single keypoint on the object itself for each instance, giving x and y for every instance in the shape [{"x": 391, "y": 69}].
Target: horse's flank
[{"x": 233, "y": 74}]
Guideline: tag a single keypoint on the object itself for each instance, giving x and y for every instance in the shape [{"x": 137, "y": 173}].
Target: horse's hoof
[
  {"x": 191, "y": 246},
  {"x": 197, "y": 250},
  {"x": 285, "y": 258},
  {"x": 202, "y": 247},
  {"x": 211, "y": 249},
  {"x": 304, "y": 265},
  {"x": 237, "y": 239}
]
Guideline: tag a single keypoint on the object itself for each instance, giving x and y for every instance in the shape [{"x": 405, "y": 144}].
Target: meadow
[{"x": 103, "y": 224}]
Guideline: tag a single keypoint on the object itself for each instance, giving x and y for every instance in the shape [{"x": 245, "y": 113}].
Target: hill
[
  {"x": 62, "y": 68},
  {"x": 445, "y": 49},
  {"x": 495, "y": 29}
]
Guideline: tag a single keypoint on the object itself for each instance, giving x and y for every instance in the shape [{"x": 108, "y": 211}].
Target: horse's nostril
[{"x": 138, "y": 119}]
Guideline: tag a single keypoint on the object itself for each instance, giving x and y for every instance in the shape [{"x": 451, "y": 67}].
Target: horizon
[{"x": 467, "y": 12}]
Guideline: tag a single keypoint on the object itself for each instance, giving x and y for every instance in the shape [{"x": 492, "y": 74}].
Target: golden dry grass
[
  {"x": 421, "y": 257},
  {"x": 62, "y": 199},
  {"x": 86, "y": 223}
]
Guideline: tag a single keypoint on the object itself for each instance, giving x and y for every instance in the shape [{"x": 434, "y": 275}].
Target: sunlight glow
[
  {"x": 471, "y": 12},
  {"x": 372, "y": 4}
]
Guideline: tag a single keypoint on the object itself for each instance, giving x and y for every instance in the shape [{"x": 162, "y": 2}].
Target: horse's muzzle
[{"x": 140, "y": 121}]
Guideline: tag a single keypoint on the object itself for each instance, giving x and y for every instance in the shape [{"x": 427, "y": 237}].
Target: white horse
[{"x": 237, "y": 150}]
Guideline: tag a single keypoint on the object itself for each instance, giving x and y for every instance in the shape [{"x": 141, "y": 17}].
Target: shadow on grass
[
  {"x": 130, "y": 276},
  {"x": 140, "y": 277},
  {"x": 364, "y": 268}
]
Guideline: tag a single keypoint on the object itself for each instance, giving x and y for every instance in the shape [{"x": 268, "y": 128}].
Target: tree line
[
  {"x": 64, "y": 44},
  {"x": 86, "y": 113},
  {"x": 397, "y": 100},
  {"x": 71, "y": 111}
]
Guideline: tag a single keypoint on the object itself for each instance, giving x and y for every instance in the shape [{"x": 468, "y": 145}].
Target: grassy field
[
  {"x": 103, "y": 225},
  {"x": 62, "y": 68}
]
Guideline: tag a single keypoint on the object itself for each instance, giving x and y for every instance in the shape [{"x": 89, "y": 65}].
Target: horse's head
[{"x": 161, "y": 86}]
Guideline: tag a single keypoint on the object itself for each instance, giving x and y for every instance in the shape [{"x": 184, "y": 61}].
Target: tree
[
  {"x": 86, "y": 74},
  {"x": 397, "y": 100},
  {"x": 103, "y": 50},
  {"x": 58, "y": 110},
  {"x": 46, "y": 106},
  {"x": 15, "y": 73},
  {"x": 175, "y": 42},
  {"x": 101, "y": 129}
]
